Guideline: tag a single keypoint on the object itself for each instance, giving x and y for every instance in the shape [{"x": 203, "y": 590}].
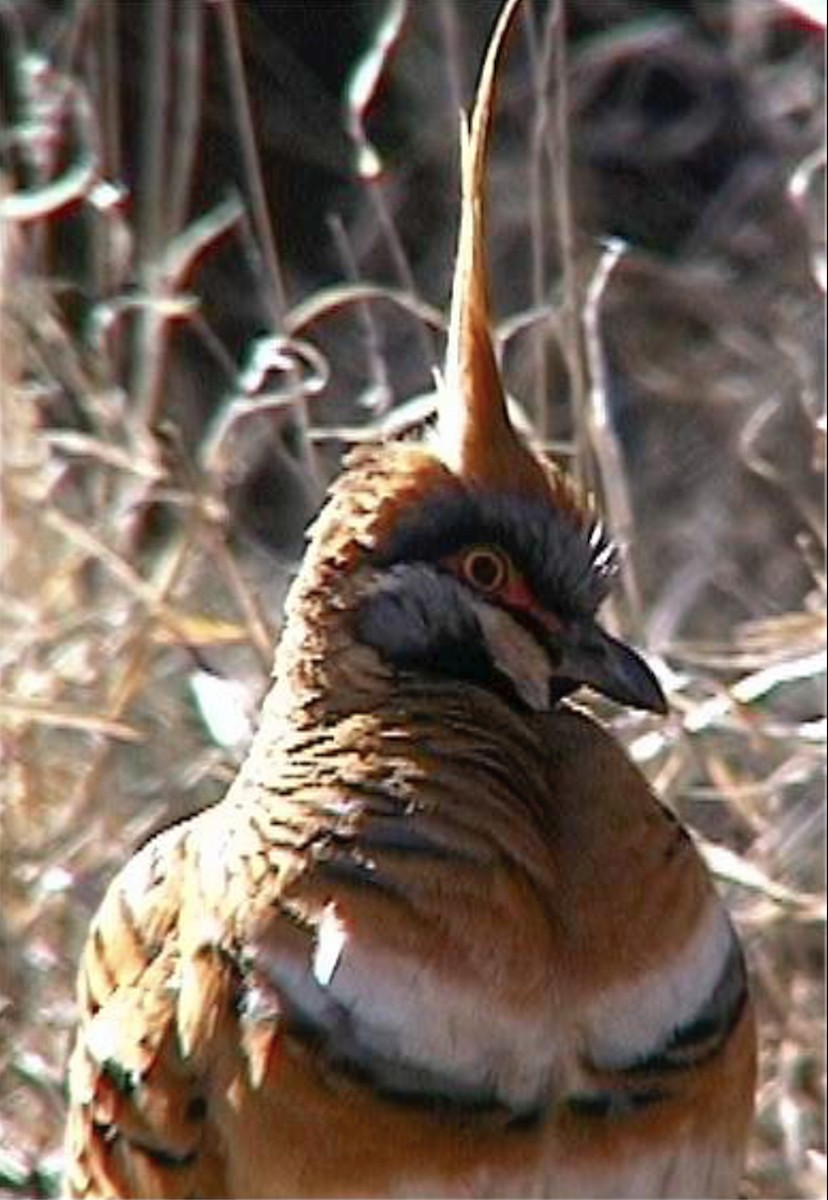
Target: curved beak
[{"x": 596, "y": 660}]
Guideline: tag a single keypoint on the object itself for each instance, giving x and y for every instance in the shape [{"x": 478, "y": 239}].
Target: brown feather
[
  {"x": 430, "y": 942},
  {"x": 476, "y": 436}
]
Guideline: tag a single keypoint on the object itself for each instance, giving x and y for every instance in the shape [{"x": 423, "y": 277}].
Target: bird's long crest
[{"x": 476, "y": 435}]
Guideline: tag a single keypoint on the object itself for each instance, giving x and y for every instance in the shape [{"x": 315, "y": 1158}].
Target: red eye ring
[{"x": 484, "y": 568}]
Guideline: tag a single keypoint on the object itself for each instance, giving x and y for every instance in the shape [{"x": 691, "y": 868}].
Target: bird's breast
[{"x": 404, "y": 934}]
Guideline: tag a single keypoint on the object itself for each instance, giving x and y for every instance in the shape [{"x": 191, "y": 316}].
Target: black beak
[{"x": 595, "y": 659}]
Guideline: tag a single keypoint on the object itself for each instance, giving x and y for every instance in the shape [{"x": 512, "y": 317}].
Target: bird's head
[{"x": 471, "y": 557}]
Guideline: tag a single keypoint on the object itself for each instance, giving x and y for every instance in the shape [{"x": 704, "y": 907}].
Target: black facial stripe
[
  {"x": 422, "y": 620},
  {"x": 566, "y": 573}
]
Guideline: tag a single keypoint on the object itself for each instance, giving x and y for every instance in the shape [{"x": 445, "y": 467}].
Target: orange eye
[{"x": 485, "y": 569}]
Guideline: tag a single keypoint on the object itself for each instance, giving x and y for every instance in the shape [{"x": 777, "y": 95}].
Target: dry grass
[{"x": 143, "y": 571}]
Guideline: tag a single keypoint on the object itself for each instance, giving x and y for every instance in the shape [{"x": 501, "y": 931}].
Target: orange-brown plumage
[
  {"x": 475, "y": 432},
  {"x": 439, "y": 938}
]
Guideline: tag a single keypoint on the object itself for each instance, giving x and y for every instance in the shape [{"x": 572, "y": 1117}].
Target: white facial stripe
[
  {"x": 631, "y": 1020},
  {"x": 516, "y": 654}
]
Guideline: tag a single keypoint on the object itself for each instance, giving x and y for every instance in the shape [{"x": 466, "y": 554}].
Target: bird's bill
[{"x": 596, "y": 660}]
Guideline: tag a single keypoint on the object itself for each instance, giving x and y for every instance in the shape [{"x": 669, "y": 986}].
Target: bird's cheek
[{"x": 516, "y": 655}]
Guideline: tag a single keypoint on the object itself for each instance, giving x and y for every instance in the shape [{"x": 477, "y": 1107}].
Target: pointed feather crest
[{"x": 475, "y": 433}]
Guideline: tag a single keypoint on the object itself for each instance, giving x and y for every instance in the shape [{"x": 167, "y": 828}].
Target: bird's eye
[{"x": 485, "y": 569}]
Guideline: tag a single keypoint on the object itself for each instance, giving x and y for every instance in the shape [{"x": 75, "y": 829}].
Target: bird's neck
[
  {"x": 322, "y": 673},
  {"x": 420, "y": 747}
]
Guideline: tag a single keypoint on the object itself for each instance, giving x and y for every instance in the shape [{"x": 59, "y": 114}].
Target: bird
[{"x": 440, "y": 938}]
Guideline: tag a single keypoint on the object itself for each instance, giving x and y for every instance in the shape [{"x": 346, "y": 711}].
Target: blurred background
[{"x": 226, "y": 239}]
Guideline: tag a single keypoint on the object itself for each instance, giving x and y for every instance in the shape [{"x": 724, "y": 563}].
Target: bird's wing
[{"x": 137, "y": 1109}]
